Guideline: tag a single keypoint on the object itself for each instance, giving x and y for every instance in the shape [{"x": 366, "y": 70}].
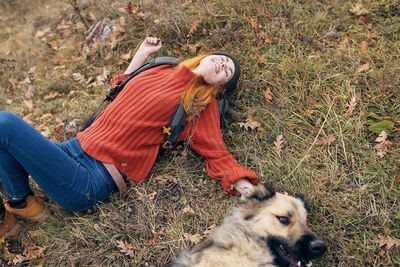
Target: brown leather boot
[
  {"x": 9, "y": 225},
  {"x": 35, "y": 209}
]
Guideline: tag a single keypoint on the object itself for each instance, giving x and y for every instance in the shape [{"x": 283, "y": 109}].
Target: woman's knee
[{"x": 7, "y": 121}]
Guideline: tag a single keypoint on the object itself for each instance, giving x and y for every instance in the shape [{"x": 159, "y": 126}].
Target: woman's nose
[{"x": 222, "y": 65}]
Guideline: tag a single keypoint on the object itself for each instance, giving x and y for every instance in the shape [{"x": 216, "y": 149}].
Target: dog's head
[{"x": 280, "y": 221}]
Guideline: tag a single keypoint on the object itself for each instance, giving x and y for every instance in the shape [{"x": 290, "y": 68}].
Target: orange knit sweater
[{"x": 128, "y": 133}]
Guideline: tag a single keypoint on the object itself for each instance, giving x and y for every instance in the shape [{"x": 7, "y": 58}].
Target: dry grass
[{"x": 312, "y": 73}]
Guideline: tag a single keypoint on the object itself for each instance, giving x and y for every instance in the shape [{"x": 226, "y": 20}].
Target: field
[{"x": 320, "y": 86}]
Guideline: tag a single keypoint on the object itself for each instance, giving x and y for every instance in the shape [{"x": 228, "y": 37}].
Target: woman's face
[{"x": 216, "y": 69}]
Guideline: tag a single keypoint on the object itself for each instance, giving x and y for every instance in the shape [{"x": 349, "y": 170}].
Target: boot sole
[{"x": 14, "y": 231}]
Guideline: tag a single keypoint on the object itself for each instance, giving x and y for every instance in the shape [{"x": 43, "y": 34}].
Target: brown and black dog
[{"x": 266, "y": 229}]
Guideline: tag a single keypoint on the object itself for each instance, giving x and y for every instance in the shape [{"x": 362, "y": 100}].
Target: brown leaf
[
  {"x": 387, "y": 241},
  {"x": 263, "y": 36},
  {"x": 46, "y": 117},
  {"x": 325, "y": 141},
  {"x": 28, "y": 104},
  {"x": 193, "y": 27},
  {"x": 363, "y": 20},
  {"x": 132, "y": 9},
  {"x": 32, "y": 252},
  {"x": 263, "y": 12},
  {"x": 195, "y": 239},
  {"x": 250, "y": 123},
  {"x": 351, "y": 105},
  {"x": 278, "y": 145},
  {"x": 359, "y": 10},
  {"x": 383, "y": 144},
  {"x": 9, "y": 101},
  {"x": 127, "y": 248},
  {"x": 363, "y": 68},
  {"x": 188, "y": 210},
  {"x": 267, "y": 94},
  {"x": 254, "y": 24},
  {"x": 344, "y": 43},
  {"x": 156, "y": 237},
  {"x": 126, "y": 56},
  {"x": 364, "y": 47},
  {"x": 262, "y": 61},
  {"x": 51, "y": 96},
  {"x": 40, "y": 34}
]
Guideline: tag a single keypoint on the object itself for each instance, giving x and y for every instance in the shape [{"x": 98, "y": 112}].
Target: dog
[{"x": 266, "y": 229}]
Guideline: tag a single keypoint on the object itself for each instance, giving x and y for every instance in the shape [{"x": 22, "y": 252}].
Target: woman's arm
[
  {"x": 146, "y": 48},
  {"x": 220, "y": 164}
]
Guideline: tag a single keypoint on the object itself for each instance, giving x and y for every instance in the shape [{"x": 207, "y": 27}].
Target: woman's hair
[{"x": 198, "y": 93}]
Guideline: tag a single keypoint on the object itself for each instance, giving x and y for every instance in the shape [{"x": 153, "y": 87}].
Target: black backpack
[{"x": 177, "y": 121}]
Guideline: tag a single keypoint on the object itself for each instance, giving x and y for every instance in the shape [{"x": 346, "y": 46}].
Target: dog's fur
[{"x": 257, "y": 233}]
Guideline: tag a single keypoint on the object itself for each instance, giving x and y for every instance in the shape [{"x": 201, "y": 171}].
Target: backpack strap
[
  {"x": 177, "y": 122},
  {"x": 112, "y": 94}
]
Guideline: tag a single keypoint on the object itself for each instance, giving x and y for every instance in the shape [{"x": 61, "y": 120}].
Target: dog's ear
[
  {"x": 305, "y": 201},
  {"x": 262, "y": 192}
]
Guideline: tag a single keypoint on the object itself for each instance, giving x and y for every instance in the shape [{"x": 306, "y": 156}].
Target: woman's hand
[
  {"x": 149, "y": 46},
  {"x": 146, "y": 48},
  {"x": 243, "y": 186}
]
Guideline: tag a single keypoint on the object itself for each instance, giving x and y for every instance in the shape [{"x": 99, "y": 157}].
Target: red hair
[{"x": 198, "y": 94}]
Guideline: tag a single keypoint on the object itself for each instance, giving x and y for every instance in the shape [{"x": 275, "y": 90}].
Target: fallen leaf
[
  {"x": 151, "y": 196},
  {"x": 383, "y": 144},
  {"x": 28, "y": 104},
  {"x": 156, "y": 237},
  {"x": 325, "y": 141},
  {"x": 127, "y": 248},
  {"x": 344, "y": 43},
  {"x": 195, "y": 239},
  {"x": 261, "y": 60},
  {"x": 34, "y": 233},
  {"x": 351, "y": 105},
  {"x": 32, "y": 252},
  {"x": 278, "y": 145},
  {"x": 51, "y": 96},
  {"x": 263, "y": 36},
  {"x": 359, "y": 10},
  {"x": 193, "y": 27},
  {"x": 363, "y": 68},
  {"x": 132, "y": 9},
  {"x": 364, "y": 47},
  {"x": 267, "y": 94},
  {"x": 78, "y": 77},
  {"x": 188, "y": 210},
  {"x": 363, "y": 20},
  {"x": 9, "y": 101},
  {"x": 254, "y": 24},
  {"x": 250, "y": 123},
  {"x": 387, "y": 241},
  {"x": 263, "y": 12},
  {"x": 42, "y": 33},
  {"x": 46, "y": 117},
  {"x": 126, "y": 56}
]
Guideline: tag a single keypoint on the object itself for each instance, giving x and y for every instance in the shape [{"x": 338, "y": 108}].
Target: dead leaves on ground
[
  {"x": 31, "y": 252},
  {"x": 325, "y": 141},
  {"x": 278, "y": 144},
  {"x": 387, "y": 241},
  {"x": 250, "y": 123},
  {"x": 382, "y": 145}
]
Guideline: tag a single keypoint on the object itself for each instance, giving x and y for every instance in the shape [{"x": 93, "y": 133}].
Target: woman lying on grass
[{"x": 123, "y": 141}]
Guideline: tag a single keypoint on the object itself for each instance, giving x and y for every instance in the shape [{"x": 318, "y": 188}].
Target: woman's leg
[{"x": 75, "y": 182}]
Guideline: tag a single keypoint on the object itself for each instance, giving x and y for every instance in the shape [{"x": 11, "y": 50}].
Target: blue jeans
[{"x": 72, "y": 178}]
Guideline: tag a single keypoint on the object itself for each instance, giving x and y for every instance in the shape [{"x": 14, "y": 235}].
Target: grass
[{"x": 312, "y": 72}]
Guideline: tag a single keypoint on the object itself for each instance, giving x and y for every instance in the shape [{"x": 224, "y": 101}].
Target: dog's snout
[{"x": 317, "y": 248}]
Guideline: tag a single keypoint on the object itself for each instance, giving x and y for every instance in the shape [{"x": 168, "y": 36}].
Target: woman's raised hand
[{"x": 149, "y": 46}]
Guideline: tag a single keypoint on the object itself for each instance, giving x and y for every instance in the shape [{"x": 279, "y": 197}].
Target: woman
[{"x": 123, "y": 140}]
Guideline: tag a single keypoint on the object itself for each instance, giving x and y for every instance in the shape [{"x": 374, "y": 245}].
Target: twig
[
  {"x": 74, "y": 4},
  {"x": 312, "y": 145}
]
